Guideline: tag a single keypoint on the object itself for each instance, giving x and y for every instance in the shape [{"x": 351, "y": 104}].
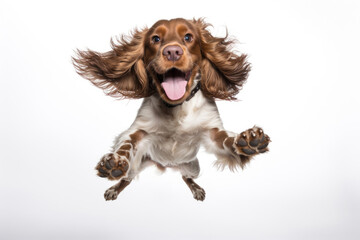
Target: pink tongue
[{"x": 174, "y": 87}]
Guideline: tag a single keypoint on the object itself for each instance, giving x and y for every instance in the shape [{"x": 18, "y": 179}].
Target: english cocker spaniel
[{"x": 179, "y": 68}]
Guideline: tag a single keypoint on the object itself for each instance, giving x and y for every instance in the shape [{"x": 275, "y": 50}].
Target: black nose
[{"x": 173, "y": 53}]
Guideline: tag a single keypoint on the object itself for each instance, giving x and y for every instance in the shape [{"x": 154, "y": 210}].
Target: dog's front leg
[
  {"x": 115, "y": 165},
  {"x": 237, "y": 149}
]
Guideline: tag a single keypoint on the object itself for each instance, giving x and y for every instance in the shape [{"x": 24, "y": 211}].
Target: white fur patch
[{"x": 175, "y": 135}]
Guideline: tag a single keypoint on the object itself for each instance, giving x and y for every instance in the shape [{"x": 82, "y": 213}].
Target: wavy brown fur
[
  {"x": 223, "y": 72},
  {"x": 120, "y": 72}
]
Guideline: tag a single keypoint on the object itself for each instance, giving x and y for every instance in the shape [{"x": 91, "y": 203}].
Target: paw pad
[
  {"x": 112, "y": 167},
  {"x": 251, "y": 142}
]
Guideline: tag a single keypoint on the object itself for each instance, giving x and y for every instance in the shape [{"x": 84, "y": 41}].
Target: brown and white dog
[{"x": 179, "y": 69}]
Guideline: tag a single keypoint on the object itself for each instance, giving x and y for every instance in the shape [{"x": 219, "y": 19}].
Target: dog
[{"x": 179, "y": 69}]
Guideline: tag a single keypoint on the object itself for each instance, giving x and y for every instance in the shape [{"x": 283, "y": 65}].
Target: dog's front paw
[
  {"x": 113, "y": 166},
  {"x": 251, "y": 142}
]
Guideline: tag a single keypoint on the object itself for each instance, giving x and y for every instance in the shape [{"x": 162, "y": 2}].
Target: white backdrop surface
[{"x": 303, "y": 90}]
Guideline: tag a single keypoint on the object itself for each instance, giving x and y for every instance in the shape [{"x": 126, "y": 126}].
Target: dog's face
[
  {"x": 172, "y": 56},
  {"x": 165, "y": 59}
]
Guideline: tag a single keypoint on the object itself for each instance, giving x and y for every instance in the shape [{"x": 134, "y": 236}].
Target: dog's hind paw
[
  {"x": 110, "y": 194},
  {"x": 113, "y": 166},
  {"x": 113, "y": 192},
  {"x": 198, "y": 193}
]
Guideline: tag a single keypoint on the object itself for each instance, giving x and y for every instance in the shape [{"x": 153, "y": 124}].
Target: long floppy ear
[
  {"x": 119, "y": 72},
  {"x": 223, "y": 72}
]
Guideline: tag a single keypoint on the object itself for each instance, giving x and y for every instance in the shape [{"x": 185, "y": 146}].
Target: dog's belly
[{"x": 172, "y": 150}]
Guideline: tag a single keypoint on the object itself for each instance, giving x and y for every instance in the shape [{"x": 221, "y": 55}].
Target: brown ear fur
[
  {"x": 223, "y": 72},
  {"x": 119, "y": 72}
]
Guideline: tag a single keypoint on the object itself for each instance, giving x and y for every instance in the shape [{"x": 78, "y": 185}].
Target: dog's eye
[
  {"x": 188, "y": 37},
  {"x": 156, "y": 39}
]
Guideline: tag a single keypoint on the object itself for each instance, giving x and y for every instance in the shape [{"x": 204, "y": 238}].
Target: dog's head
[{"x": 165, "y": 59}]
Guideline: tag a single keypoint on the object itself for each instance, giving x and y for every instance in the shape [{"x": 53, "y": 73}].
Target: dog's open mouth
[{"x": 174, "y": 83}]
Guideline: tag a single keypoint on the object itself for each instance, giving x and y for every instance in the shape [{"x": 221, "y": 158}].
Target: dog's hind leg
[
  {"x": 190, "y": 171},
  {"x": 197, "y": 191},
  {"x": 113, "y": 192}
]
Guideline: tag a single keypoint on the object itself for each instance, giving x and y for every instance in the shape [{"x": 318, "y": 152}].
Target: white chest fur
[{"x": 175, "y": 134}]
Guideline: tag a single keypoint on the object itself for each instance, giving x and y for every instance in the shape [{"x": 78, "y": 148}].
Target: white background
[{"x": 303, "y": 90}]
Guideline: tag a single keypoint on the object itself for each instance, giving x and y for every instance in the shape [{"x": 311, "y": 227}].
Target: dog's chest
[
  {"x": 174, "y": 136},
  {"x": 176, "y": 141}
]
